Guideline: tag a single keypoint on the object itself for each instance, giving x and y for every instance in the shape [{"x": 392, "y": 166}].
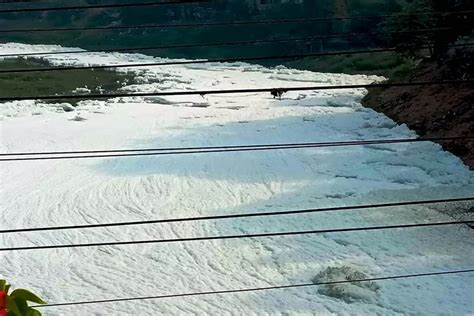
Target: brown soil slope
[{"x": 435, "y": 110}]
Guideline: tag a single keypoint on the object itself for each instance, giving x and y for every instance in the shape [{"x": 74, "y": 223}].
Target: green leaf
[
  {"x": 33, "y": 312},
  {"x": 22, "y": 305},
  {"x": 27, "y": 296},
  {"x": 12, "y": 307},
  {"x": 3, "y": 283},
  {"x": 7, "y": 287}
]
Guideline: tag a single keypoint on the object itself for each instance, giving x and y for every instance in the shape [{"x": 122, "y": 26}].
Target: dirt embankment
[{"x": 435, "y": 110}]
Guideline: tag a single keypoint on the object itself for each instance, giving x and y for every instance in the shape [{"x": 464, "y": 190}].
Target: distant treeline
[
  {"x": 216, "y": 10},
  {"x": 237, "y": 10}
]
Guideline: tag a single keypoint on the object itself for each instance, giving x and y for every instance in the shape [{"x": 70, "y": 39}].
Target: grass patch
[
  {"x": 388, "y": 64},
  {"x": 57, "y": 82}
]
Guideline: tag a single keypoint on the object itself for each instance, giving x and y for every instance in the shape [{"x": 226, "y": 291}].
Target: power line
[
  {"x": 236, "y": 23},
  {"x": 14, "y": 1},
  {"x": 241, "y": 215},
  {"x": 227, "y": 237},
  {"x": 233, "y": 91},
  {"x": 21, "y": 1},
  {"x": 319, "y": 144},
  {"x": 255, "y": 289},
  {"x": 247, "y": 42},
  {"x": 102, "y": 6},
  {"x": 115, "y": 153},
  {"x": 218, "y": 60}
]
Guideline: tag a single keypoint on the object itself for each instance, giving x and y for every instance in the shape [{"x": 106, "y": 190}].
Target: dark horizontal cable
[
  {"x": 255, "y": 289},
  {"x": 320, "y": 144},
  {"x": 233, "y": 91},
  {"x": 15, "y": 1},
  {"x": 18, "y": 1},
  {"x": 102, "y": 6},
  {"x": 248, "y": 42},
  {"x": 211, "y": 149},
  {"x": 218, "y": 60},
  {"x": 226, "y": 237},
  {"x": 227, "y": 216},
  {"x": 23, "y": 1},
  {"x": 232, "y": 23}
]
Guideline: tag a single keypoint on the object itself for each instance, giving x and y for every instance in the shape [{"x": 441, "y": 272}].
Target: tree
[
  {"x": 406, "y": 31},
  {"x": 426, "y": 23},
  {"x": 456, "y": 24}
]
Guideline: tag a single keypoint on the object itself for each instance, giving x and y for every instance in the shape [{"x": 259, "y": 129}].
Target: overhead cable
[
  {"x": 229, "y": 237},
  {"x": 102, "y": 6},
  {"x": 237, "y": 23},
  {"x": 234, "y": 91},
  {"x": 217, "y": 60},
  {"x": 210, "y": 44},
  {"x": 257, "y": 289},
  {"x": 239, "y": 215},
  {"x": 116, "y": 153}
]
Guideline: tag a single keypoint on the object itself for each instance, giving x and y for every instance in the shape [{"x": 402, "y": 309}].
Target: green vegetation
[
  {"x": 15, "y": 303},
  {"x": 229, "y": 10},
  {"x": 56, "y": 82},
  {"x": 404, "y": 35},
  {"x": 400, "y": 33},
  {"x": 390, "y": 65}
]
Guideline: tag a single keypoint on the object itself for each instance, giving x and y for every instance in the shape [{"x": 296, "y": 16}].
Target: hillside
[
  {"x": 221, "y": 10},
  {"x": 435, "y": 111}
]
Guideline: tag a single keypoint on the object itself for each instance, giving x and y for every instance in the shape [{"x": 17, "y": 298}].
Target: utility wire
[
  {"x": 233, "y": 91},
  {"x": 247, "y": 42},
  {"x": 22, "y": 1},
  {"x": 227, "y": 237},
  {"x": 218, "y": 60},
  {"x": 15, "y": 1},
  {"x": 235, "y": 23},
  {"x": 255, "y": 289},
  {"x": 319, "y": 144},
  {"x": 114, "y": 153},
  {"x": 241, "y": 215},
  {"x": 102, "y": 6}
]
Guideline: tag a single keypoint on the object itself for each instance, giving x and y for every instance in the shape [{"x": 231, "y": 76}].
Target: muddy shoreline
[{"x": 434, "y": 110}]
